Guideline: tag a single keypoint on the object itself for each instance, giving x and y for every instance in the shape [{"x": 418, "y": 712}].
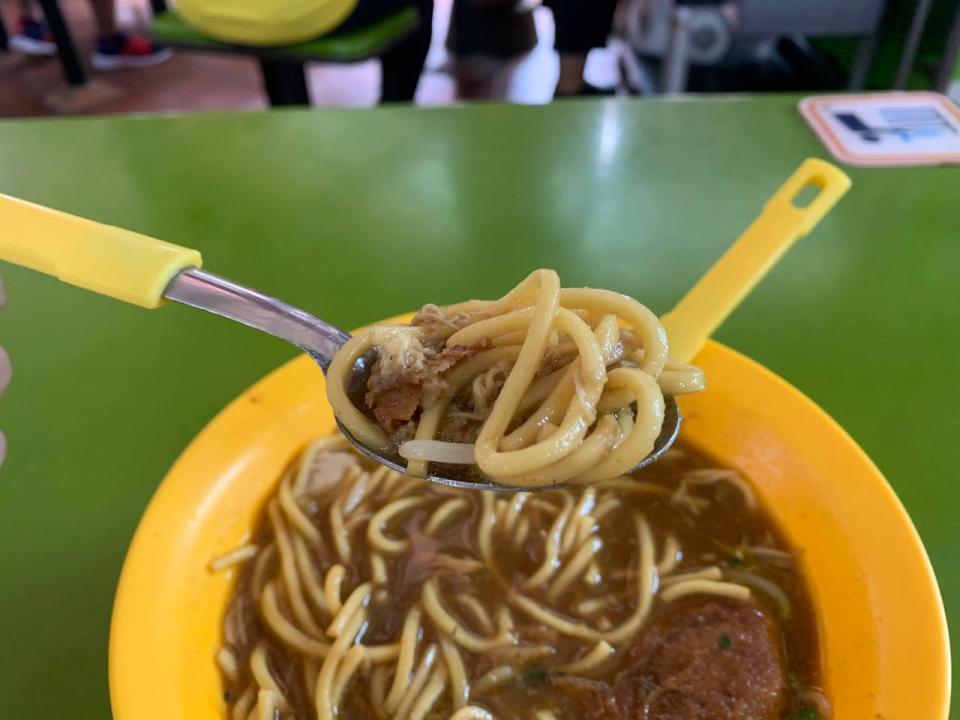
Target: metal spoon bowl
[{"x": 321, "y": 341}]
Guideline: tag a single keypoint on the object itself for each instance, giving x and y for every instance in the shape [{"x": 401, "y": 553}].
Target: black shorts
[{"x": 581, "y": 24}]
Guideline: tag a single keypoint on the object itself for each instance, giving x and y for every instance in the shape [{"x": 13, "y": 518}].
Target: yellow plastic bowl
[{"x": 881, "y": 620}]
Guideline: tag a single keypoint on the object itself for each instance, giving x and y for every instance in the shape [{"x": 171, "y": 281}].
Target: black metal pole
[
  {"x": 72, "y": 67},
  {"x": 284, "y": 81}
]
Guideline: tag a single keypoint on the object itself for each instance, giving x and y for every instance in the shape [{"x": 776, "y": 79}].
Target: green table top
[{"x": 356, "y": 215}]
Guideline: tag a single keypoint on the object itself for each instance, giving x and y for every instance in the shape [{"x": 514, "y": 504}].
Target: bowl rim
[{"x": 144, "y": 658}]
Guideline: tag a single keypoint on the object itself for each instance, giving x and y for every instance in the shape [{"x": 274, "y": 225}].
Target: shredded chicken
[
  {"x": 434, "y": 323},
  {"x": 407, "y": 376}
]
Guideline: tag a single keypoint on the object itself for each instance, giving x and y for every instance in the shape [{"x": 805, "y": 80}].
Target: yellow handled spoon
[{"x": 146, "y": 272}]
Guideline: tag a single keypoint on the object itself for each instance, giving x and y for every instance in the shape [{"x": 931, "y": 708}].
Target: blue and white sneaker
[
  {"x": 33, "y": 38},
  {"x": 120, "y": 50}
]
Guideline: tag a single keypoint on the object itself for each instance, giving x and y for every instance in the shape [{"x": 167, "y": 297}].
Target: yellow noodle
[
  {"x": 710, "y": 573},
  {"x": 469, "y": 602},
  {"x": 584, "y": 506},
  {"x": 378, "y": 688},
  {"x": 284, "y": 629},
  {"x": 243, "y": 705},
  {"x": 429, "y": 694},
  {"x": 308, "y": 573},
  {"x": 705, "y": 587},
  {"x": 551, "y": 557},
  {"x": 575, "y": 567},
  {"x": 457, "y": 564},
  {"x": 591, "y": 606},
  {"x": 419, "y": 679},
  {"x": 583, "y": 329},
  {"x": 338, "y": 532},
  {"x": 332, "y": 588},
  {"x": 311, "y": 670},
  {"x": 260, "y": 568},
  {"x": 378, "y": 569},
  {"x": 375, "y": 535},
  {"x": 357, "y": 599},
  {"x": 408, "y": 647},
  {"x": 295, "y": 513},
  {"x": 709, "y": 476},
  {"x": 326, "y": 704},
  {"x": 358, "y": 490},
  {"x": 597, "y": 656},
  {"x": 504, "y": 619},
  {"x": 605, "y": 506},
  {"x": 670, "y": 557},
  {"x": 443, "y": 514},
  {"x": 289, "y": 574},
  {"x": 523, "y": 529},
  {"x": 348, "y": 666},
  {"x": 234, "y": 557},
  {"x": 382, "y": 653},
  {"x": 266, "y": 705},
  {"x": 459, "y": 686},
  {"x": 646, "y": 582},
  {"x": 517, "y": 501},
  {"x": 494, "y": 678},
  {"x": 227, "y": 662},
  {"x": 445, "y": 622},
  {"x": 264, "y": 678}
]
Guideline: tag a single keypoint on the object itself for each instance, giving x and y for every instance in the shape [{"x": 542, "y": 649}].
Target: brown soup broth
[{"x": 713, "y": 525}]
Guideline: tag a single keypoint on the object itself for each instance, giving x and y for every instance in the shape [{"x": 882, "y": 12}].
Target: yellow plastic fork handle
[
  {"x": 781, "y": 223},
  {"x": 108, "y": 260}
]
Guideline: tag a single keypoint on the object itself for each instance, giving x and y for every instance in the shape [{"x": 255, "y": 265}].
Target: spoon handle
[
  {"x": 781, "y": 223},
  {"x": 108, "y": 260}
]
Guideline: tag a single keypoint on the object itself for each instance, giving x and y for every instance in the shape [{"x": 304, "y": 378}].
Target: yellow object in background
[{"x": 260, "y": 22}]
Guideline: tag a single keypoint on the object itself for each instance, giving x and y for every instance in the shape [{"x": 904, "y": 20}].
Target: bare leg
[
  {"x": 26, "y": 8},
  {"x": 103, "y": 13},
  {"x": 571, "y": 73}
]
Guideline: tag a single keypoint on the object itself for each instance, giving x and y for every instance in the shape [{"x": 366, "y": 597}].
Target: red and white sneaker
[
  {"x": 118, "y": 51},
  {"x": 33, "y": 38}
]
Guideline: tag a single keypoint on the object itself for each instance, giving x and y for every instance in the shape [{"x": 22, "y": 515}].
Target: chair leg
[
  {"x": 676, "y": 64},
  {"x": 4, "y": 40},
  {"x": 950, "y": 56},
  {"x": 862, "y": 62},
  {"x": 72, "y": 67},
  {"x": 285, "y": 82},
  {"x": 912, "y": 44}
]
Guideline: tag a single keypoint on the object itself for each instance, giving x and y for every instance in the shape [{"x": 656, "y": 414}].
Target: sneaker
[
  {"x": 118, "y": 51},
  {"x": 33, "y": 38}
]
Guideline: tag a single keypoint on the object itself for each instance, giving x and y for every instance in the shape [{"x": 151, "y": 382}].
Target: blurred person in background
[
  {"x": 581, "y": 25},
  {"x": 115, "y": 49},
  {"x": 284, "y": 22}
]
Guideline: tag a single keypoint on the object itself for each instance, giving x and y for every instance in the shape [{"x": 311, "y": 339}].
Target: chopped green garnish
[
  {"x": 734, "y": 561},
  {"x": 228, "y": 697},
  {"x": 793, "y": 682},
  {"x": 805, "y": 712},
  {"x": 724, "y": 642},
  {"x": 535, "y": 676}
]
